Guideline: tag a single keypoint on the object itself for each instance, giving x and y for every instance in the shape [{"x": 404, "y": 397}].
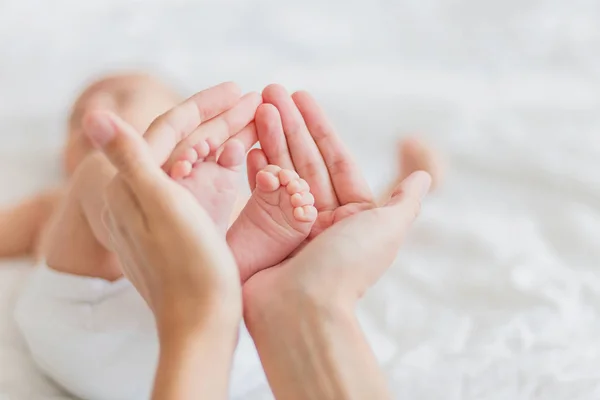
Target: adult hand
[
  {"x": 173, "y": 254},
  {"x": 295, "y": 134},
  {"x": 214, "y": 115},
  {"x": 168, "y": 246},
  {"x": 307, "y": 302},
  {"x": 166, "y": 242}
]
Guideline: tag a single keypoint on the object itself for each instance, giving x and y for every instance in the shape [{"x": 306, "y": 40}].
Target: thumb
[
  {"x": 125, "y": 148},
  {"x": 405, "y": 203},
  {"x": 393, "y": 221}
]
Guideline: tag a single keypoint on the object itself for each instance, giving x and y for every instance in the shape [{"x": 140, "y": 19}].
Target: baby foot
[
  {"x": 274, "y": 222},
  {"x": 213, "y": 180}
]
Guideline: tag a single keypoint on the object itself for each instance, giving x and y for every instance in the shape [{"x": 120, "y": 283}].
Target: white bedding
[{"x": 496, "y": 295}]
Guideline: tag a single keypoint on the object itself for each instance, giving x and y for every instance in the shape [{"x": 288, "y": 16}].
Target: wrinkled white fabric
[{"x": 496, "y": 295}]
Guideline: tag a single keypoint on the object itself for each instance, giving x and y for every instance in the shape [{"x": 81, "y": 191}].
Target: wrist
[
  {"x": 312, "y": 346},
  {"x": 181, "y": 322},
  {"x": 293, "y": 301},
  {"x": 186, "y": 354}
]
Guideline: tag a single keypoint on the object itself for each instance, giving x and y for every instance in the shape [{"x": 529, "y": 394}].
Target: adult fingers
[
  {"x": 405, "y": 203},
  {"x": 271, "y": 136},
  {"x": 247, "y": 136},
  {"x": 220, "y": 128},
  {"x": 170, "y": 128},
  {"x": 375, "y": 252},
  {"x": 256, "y": 161},
  {"x": 307, "y": 159},
  {"x": 349, "y": 184},
  {"x": 393, "y": 222},
  {"x": 125, "y": 149}
]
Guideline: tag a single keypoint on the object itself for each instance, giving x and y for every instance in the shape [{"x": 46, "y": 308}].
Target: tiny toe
[
  {"x": 181, "y": 169},
  {"x": 297, "y": 186},
  {"x": 302, "y": 199},
  {"x": 305, "y": 213},
  {"x": 272, "y": 169},
  {"x": 202, "y": 149},
  {"x": 267, "y": 181},
  {"x": 189, "y": 155},
  {"x": 287, "y": 175}
]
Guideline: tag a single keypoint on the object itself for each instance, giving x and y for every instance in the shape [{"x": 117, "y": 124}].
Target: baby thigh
[{"x": 93, "y": 337}]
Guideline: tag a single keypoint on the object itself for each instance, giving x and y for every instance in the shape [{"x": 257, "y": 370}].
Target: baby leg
[
  {"x": 76, "y": 241},
  {"x": 21, "y": 225}
]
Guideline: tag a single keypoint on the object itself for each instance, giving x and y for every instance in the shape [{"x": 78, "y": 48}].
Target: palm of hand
[{"x": 327, "y": 218}]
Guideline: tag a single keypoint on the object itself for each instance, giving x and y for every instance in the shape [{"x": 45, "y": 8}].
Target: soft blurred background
[{"x": 497, "y": 293}]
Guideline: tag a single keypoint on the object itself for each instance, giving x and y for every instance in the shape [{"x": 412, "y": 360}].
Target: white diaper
[{"x": 98, "y": 340}]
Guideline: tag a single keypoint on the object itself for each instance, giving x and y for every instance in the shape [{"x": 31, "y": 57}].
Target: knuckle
[
  {"x": 309, "y": 169},
  {"x": 339, "y": 166},
  {"x": 320, "y": 130}
]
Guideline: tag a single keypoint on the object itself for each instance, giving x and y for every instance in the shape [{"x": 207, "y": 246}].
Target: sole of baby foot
[
  {"x": 213, "y": 181},
  {"x": 276, "y": 220}
]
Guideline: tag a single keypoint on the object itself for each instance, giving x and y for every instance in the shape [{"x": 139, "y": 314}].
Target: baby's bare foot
[
  {"x": 276, "y": 220},
  {"x": 213, "y": 180}
]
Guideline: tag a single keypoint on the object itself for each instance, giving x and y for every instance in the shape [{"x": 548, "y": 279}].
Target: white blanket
[{"x": 496, "y": 295}]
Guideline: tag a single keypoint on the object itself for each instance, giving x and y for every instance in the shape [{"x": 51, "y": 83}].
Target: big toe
[
  {"x": 232, "y": 155},
  {"x": 267, "y": 179}
]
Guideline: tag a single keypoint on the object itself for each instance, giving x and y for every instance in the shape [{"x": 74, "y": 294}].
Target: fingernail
[
  {"x": 100, "y": 129},
  {"x": 422, "y": 182}
]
